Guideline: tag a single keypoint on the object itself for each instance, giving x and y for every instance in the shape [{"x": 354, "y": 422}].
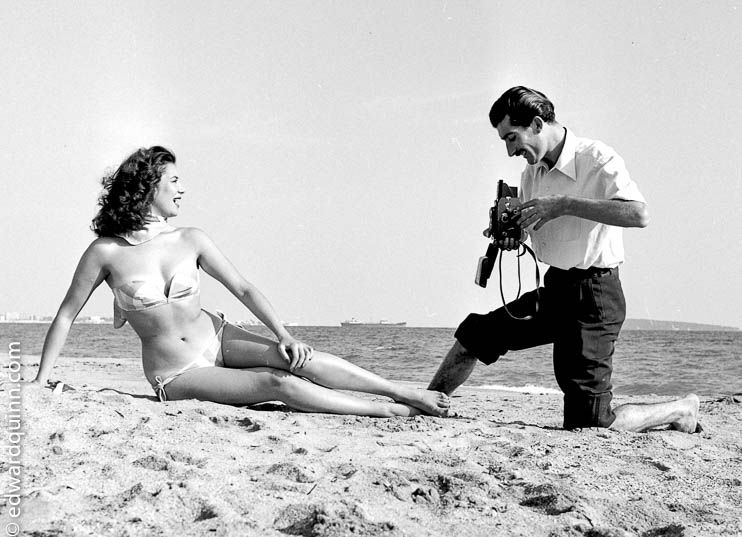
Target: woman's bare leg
[
  {"x": 262, "y": 384},
  {"x": 244, "y": 349}
]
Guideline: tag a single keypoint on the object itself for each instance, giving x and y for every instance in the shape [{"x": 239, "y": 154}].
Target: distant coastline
[
  {"x": 650, "y": 324},
  {"x": 48, "y": 320}
]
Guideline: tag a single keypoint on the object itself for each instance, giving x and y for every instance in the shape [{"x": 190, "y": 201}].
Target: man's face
[{"x": 522, "y": 141}]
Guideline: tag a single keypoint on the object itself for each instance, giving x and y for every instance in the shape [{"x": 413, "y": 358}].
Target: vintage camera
[{"x": 503, "y": 225}]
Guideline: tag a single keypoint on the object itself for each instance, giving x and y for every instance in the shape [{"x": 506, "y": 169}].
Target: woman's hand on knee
[{"x": 296, "y": 353}]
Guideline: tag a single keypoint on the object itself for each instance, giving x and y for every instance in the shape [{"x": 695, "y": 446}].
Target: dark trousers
[{"x": 581, "y": 312}]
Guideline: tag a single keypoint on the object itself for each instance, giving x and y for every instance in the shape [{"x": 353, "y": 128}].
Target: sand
[{"x": 108, "y": 459}]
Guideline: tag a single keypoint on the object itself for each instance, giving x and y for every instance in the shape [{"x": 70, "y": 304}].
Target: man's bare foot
[
  {"x": 429, "y": 401},
  {"x": 680, "y": 414},
  {"x": 688, "y": 408}
]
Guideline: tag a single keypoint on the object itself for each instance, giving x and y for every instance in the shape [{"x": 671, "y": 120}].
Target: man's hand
[
  {"x": 538, "y": 211},
  {"x": 505, "y": 244},
  {"x": 508, "y": 244}
]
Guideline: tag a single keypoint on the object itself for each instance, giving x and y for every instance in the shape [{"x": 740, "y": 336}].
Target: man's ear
[{"x": 537, "y": 124}]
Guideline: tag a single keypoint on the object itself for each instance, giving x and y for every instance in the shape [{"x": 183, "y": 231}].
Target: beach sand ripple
[{"x": 108, "y": 459}]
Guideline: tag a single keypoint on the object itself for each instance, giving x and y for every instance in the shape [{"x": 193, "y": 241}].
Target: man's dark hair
[{"x": 522, "y": 105}]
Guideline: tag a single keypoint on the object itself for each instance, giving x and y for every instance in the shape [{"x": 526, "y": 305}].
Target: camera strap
[{"x": 528, "y": 249}]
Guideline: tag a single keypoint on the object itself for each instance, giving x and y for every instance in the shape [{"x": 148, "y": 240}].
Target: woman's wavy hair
[{"x": 128, "y": 192}]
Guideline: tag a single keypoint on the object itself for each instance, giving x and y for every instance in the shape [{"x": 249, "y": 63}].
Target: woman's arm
[
  {"x": 88, "y": 275},
  {"x": 216, "y": 264}
]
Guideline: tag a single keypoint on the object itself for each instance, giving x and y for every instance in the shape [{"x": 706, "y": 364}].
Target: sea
[{"x": 646, "y": 362}]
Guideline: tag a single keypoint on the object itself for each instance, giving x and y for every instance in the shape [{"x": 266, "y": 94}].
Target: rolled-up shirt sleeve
[{"x": 617, "y": 181}]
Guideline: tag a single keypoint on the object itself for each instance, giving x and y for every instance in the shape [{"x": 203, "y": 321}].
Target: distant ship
[{"x": 355, "y": 322}]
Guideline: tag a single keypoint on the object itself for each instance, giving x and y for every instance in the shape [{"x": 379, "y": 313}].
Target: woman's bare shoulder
[
  {"x": 98, "y": 255},
  {"x": 103, "y": 247},
  {"x": 193, "y": 234},
  {"x": 105, "y": 244}
]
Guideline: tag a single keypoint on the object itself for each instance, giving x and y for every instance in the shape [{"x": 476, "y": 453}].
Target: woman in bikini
[{"x": 187, "y": 352}]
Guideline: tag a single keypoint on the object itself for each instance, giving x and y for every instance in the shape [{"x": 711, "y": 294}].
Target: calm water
[{"x": 646, "y": 362}]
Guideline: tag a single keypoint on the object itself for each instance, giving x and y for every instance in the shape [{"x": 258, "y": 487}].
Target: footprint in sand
[
  {"x": 151, "y": 462},
  {"x": 302, "y": 519},
  {"x": 293, "y": 472},
  {"x": 185, "y": 458},
  {"x": 548, "y": 499}
]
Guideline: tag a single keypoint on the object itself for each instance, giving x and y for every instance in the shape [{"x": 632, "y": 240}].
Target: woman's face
[{"x": 169, "y": 190}]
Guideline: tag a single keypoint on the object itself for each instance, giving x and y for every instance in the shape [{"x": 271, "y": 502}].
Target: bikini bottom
[{"x": 211, "y": 357}]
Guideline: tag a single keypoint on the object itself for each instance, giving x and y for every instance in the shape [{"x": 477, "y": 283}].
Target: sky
[{"x": 340, "y": 152}]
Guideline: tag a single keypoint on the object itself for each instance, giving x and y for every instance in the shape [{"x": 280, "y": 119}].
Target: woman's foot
[{"x": 428, "y": 401}]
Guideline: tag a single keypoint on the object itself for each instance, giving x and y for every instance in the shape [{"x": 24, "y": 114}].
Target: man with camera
[{"x": 575, "y": 197}]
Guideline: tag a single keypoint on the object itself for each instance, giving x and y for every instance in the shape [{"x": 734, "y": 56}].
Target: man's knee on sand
[
  {"x": 587, "y": 410},
  {"x": 588, "y": 392}
]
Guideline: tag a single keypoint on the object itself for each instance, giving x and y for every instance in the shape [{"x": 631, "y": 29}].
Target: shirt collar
[{"x": 566, "y": 162}]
